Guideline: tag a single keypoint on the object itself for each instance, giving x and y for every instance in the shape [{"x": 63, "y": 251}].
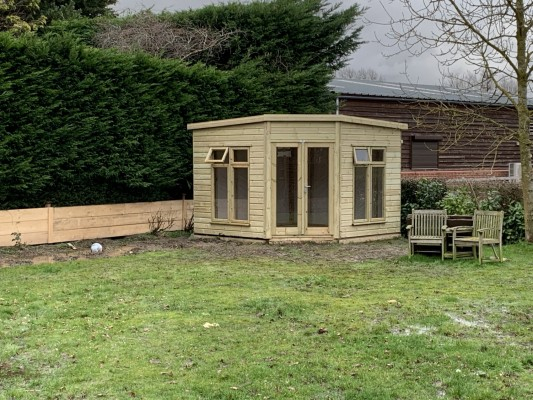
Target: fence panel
[{"x": 63, "y": 224}]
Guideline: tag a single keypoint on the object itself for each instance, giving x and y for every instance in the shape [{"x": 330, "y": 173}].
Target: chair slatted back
[
  {"x": 492, "y": 221},
  {"x": 428, "y": 223}
]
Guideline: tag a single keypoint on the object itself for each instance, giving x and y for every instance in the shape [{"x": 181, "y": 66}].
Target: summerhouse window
[
  {"x": 230, "y": 184},
  {"x": 217, "y": 155},
  {"x": 369, "y": 184}
]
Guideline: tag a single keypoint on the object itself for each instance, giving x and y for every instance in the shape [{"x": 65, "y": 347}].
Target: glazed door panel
[{"x": 302, "y": 189}]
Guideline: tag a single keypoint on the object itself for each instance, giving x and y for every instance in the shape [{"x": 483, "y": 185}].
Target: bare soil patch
[{"x": 215, "y": 248}]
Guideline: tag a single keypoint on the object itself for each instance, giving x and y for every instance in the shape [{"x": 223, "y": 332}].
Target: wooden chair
[
  {"x": 486, "y": 230},
  {"x": 428, "y": 228}
]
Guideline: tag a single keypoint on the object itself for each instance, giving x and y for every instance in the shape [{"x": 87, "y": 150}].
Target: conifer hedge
[{"x": 80, "y": 125}]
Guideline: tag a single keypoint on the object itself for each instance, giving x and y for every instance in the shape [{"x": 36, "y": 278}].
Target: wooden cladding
[
  {"x": 466, "y": 140},
  {"x": 63, "y": 224}
]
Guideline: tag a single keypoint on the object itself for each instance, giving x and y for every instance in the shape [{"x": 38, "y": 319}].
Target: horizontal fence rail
[{"x": 64, "y": 224}]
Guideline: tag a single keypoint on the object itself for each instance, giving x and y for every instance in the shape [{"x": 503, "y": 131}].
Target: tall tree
[
  {"x": 20, "y": 15},
  {"x": 495, "y": 38},
  {"x": 59, "y": 9},
  {"x": 284, "y": 34},
  {"x": 28, "y": 15}
]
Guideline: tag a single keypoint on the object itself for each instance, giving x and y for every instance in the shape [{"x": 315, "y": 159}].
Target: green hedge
[
  {"x": 80, "y": 125},
  {"x": 284, "y": 34},
  {"x": 462, "y": 198}
]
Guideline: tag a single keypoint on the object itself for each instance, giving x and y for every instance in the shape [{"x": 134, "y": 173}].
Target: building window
[
  {"x": 230, "y": 184},
  {"x": 424, "y": 154},
  {"x": 369, "y": 184},
  {"x": 217, "y": 155}
]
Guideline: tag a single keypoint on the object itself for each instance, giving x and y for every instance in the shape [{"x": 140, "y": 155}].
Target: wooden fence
[{"x": 64, "y": 224}]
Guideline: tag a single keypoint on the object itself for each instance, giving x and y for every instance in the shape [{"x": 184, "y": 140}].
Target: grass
[{"x": 180, "y": 325}]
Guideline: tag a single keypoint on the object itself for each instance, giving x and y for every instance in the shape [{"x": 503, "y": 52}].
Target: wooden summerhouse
[{"x": 297, "y": 177}]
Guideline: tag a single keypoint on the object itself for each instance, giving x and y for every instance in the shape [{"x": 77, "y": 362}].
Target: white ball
[{"x": 96, "y": 248}]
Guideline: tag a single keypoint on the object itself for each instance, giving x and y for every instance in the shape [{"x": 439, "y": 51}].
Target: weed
[
  {"x": 189, "y": 225},
  {"x": 160, "y": 222},
  {"x": 17, "y": 238}
]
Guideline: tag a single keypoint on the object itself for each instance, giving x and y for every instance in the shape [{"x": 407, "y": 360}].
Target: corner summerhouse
[{"x": 297, "y": 177}]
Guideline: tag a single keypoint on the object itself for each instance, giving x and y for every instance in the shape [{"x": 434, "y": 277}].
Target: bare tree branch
[
  {"x": 147, "y": 32},
  {"x": 362, "y": 73},
  {"x": 465, "y": 126},
  {"x": 495, "y": 38}
]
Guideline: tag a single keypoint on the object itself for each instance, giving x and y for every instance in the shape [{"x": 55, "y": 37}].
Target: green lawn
[{"x": 135, "y": 327}]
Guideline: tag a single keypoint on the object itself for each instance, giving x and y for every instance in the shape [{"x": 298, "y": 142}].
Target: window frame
[
  {"x": 228, "y": 162},
  {"x": 211, "y": 152},
  {"x": 369, "y": 165}
]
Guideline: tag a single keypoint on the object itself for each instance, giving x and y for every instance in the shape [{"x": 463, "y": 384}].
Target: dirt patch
[
  {"x": 9, "y": 371},
  {"x": 216, "y": 248}
]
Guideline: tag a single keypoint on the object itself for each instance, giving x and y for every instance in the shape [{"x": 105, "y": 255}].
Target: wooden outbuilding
[
  {"x": 452, "y": 133},
  {"x": 297, "y": 177}
]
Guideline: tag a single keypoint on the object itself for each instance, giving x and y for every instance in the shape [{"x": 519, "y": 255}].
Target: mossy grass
[{"x": 186, "y": 325}]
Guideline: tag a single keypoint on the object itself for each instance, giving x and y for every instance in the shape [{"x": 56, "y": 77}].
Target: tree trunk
[
  {"x": 524, "y": 118},
  {"x": 528, "y": 212},
  {"x": 527, "y": 176}
]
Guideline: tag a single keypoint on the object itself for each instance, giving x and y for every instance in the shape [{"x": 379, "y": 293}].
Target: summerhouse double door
[{"x": 302, "y": 189}]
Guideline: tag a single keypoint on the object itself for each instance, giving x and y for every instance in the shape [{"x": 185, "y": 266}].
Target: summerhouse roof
[{"x": 296, "y": 118}]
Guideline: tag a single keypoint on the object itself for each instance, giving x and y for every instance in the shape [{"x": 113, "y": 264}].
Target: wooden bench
[
  {"x": 427, "y": 228},
  {"x": 487, "y": 229}
]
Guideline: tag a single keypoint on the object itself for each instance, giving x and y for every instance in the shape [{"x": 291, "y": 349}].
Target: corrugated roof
[{"x": 410, "y": 91}]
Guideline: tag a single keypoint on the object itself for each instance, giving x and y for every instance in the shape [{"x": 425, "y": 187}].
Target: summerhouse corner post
[{"x": 268, "y": 176}]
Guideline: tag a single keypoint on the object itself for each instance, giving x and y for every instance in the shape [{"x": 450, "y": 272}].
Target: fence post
[
  {"x": 183, "y": 211},
  {"x": 50, "y": 222}
]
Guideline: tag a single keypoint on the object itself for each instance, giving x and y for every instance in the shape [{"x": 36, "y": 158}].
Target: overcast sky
[{"x": 370, "y": 55}]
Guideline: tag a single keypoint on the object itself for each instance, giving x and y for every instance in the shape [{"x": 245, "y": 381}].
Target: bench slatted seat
[{"x": 428, "y": 228}]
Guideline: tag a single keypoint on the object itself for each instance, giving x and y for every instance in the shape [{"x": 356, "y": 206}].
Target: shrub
[
  {"x": 513, "y": 223},
  {"x": 458, "y": 202},
  {"x": 419, "y": 194},
  {"x": 429, "y": 192},
  {"x": 408, "y": 198},
  {"x": 492, "y": 201}
]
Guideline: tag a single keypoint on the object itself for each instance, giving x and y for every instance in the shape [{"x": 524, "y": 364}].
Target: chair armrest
[
  {"x": 445, "y": 228},
  {"x": 460, "y": 229},
  {"x": 408, "y": 227},
  {"x": 487, "y": 229},
  {"x": 482, "y": 231}
]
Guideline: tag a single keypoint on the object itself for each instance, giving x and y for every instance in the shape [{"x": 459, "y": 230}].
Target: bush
[
  {"x": 429, "y": 192},
  {"x": 81, "y": 126},
  {"x": 458, "y": 202},
  {"x": 420, "y": 194},
  {"x": 513, "y": 223},
  {"x": 492, "y": 201}
]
